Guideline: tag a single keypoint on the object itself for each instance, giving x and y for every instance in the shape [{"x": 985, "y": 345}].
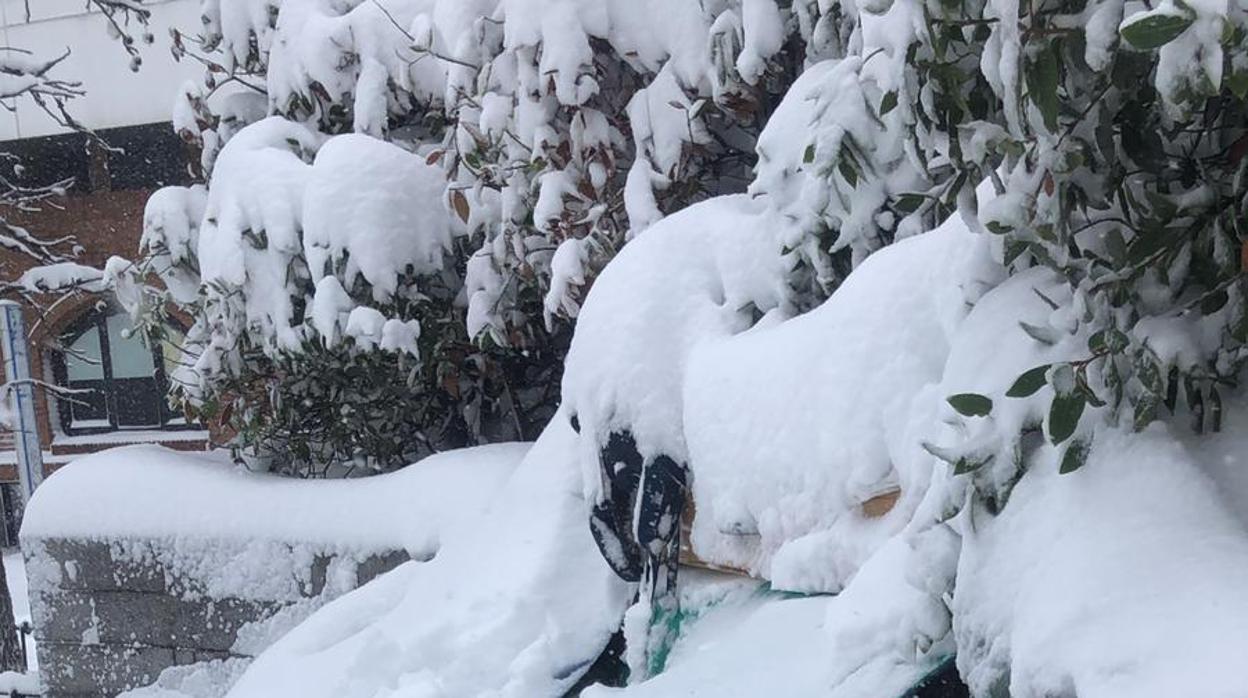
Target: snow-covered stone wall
[
  {"x": 148, "y": 566},
  {"x": 110, "y": 616}
]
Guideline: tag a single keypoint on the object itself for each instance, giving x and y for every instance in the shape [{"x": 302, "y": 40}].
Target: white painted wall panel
[{"x": 115, "y": 95}]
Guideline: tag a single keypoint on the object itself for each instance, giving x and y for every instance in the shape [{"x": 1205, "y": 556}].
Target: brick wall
[{"x": 105, "y": 223}]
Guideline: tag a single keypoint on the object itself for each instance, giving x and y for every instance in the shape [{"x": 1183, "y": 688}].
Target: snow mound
[
  {"x": 1122, "y": 578},
  {"x": 518, "y": 602},
  {"x": 844, "y": 646},
  {"x": 790, "y": 428},
  {"x": 374, "y": 210},
  {"x": 154, "y": 492},
  {"x": 706, "y": 272}
]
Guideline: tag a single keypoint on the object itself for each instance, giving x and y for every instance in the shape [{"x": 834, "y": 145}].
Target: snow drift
[{"x": 518, "y": 602}]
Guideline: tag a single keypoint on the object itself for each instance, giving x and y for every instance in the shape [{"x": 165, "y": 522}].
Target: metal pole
[{"x": 21, "y": 398}]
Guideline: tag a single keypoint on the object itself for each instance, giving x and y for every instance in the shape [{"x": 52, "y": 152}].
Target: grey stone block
[
  {"x": 88, "y": 565},
  {"x": 125, "y": 617},
  {"x": 100, "y": 670},
  {"x": 167, "y": 621},
  {"x": 376, "y": 565},
  {"x": 214, "y": 625},
  {"x": 68, "y": 616},
  {"x": 317, "y": 576}
]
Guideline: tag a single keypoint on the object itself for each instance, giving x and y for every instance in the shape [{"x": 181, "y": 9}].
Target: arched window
[{"x": 124, "y": 378}]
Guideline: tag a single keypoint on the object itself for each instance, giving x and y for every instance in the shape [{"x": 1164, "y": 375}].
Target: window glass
[
  {"x": 131, "y": 357},
  {"x": 82, "y": 361},
  {"x": 171, "y": 350}
]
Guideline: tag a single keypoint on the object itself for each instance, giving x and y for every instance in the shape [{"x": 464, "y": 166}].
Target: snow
[
  {"x": 171, "y": 221},
  {"x": 749, "y": 642},
  {"x": 147, "y": 491},
  {"x": 209, "y": 679},
  {"x": 777, "y": 483},
  {"x": 11, "y": 682},
  {"x": 60, "y": 277},
  {"x": 698, "y": 274},
  {"x": 19, "y": 596},
  {"x": 374, "y": 210},
  {"x": 518, "y": 602},
  {"x": 15, "y": 573},
  {"x": 251, "y": 229},
  {"x": 1117, "y": 579},
  {"x": 1122, "y": 578}
]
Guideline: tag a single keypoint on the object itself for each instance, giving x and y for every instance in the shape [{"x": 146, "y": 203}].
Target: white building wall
[{"x": 115, "y": 96}]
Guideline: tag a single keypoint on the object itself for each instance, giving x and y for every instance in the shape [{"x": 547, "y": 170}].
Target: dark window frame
[{"x": 95, "y": 320}]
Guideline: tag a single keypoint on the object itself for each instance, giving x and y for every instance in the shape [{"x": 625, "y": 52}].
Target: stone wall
[{"x": 109, "y": 616}]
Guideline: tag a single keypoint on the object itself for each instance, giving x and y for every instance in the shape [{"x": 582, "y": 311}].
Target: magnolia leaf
[
  {"x": 909, "y": 203},
  {"x": 1151, "y": 30},
  {"x": 1045, "y": 335},
  {"x": 460, "y": 203},
  {"x": 1064, "y": 415},
  {"x": 971, "y": 404},
  {"x": 1107, "y": 341},
  {"x": 1074, "y": 458},
  {"x": 1215, "y": 410},
  {"x": 889, "y": 102},
  {"x": 847, "y": 171},
  {"x": 1029, "y": 382},
  {"x": 971, "y": 463},
  {"x": 1042, "y": 80}
]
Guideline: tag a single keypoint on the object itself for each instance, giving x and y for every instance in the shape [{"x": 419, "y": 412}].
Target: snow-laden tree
[
  {"x": 544, "y": 135},
  {"x": 1110, "y": 138}
]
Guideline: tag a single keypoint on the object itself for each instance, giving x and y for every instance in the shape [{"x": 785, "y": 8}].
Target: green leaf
[
  {"x": 809, "y": 155},
  {"x": 1042, "y": 80},
  {"x": 1213, "y": 302},
  {"x": 1074, "y": 458},
  {"x": 1044, "y": 335},
  {"x": 971, "y": 404},
  {"x": 1029, "y": 382},
  {"x": 847, "y": 171},
  {"x": 969, "y": 464},
  {"x": 1013, "y": 248},
  {"x": 1109, "y": 340},
  {"x": 909, "y": 203},
  {"x": 1047, "y": 301},
  {"x": 1153, "y": 30},
  {"x": 1215, "y": 409},
  {"x": 1064, "y": 416},
  {"x": 889, "y": 102},
  {"x": 1145, "y": 412},
  {"x": 1238, "y": 82}
]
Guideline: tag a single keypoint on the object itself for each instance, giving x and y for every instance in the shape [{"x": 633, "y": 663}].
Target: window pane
[
  {"x": 130, "y": 356},
  {"x": 82, "y": 361},
  {"x": 171, "y": 349}
]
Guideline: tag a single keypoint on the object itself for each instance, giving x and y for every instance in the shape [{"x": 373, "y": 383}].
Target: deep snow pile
[
  {"x": 709, "y": 271},
  {"x": 518, "y": 602},
  {"x": 1119, "y": 579},
  {"x": 792, "y": 427},
  {"x": 749, "y": 642},
  {"x": 154, "y": 492},
  {"x": 1077, "y": 578}
]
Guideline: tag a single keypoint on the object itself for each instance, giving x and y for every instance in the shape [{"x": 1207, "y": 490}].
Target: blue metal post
[{"x": 21, "y": 397}]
